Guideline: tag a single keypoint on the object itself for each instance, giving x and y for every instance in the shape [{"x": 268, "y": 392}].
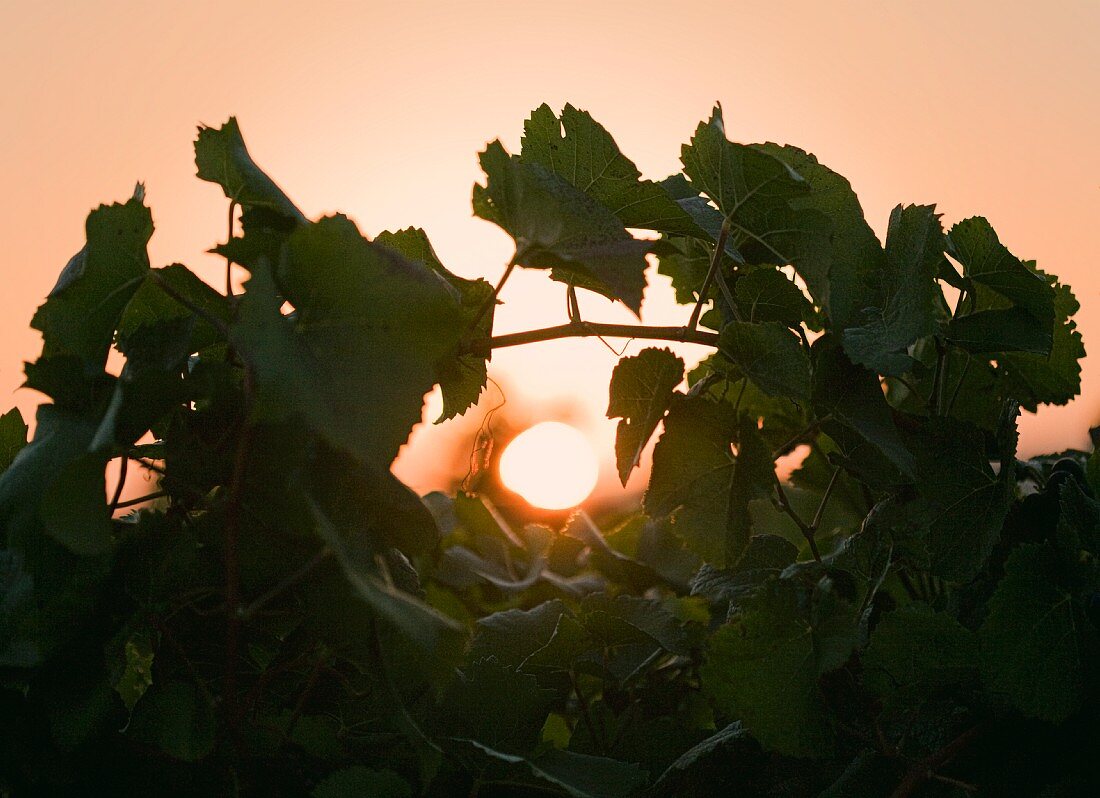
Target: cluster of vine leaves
[{"x": 914, "y": 611}]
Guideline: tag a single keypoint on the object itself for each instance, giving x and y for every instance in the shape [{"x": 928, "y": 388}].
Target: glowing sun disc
[{"x": 551, "y": 465}]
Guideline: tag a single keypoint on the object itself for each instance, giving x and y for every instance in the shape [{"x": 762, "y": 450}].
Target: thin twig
[
  {"x": 803, "y": 527},
  {"x": 925, "y": 769},
  {"x": 816, "y": 523},
  {"x": 809, "y": 531},
  {"x": 300, "y": 704},
  {"x": 249, "y": 611},
  {"x": 573, "y": 306},
  {"x": 149, "y": 465},
  {"x": 160, "y": 494},
  {"x": 229, "y": 260},
  {"x": 938, "y": 377},
  {"x": 740, "y": 395},
  {"x": 201, "y": 312},
  {"x": 122, "y": 468},
  {"x": 789, "y": 445},
  {"x": 484, "y": 346},
  {"x": 586, "y": 716},
  {"x": 493, "y": 297},
  {"x": 958, "y": 385},
  {"x": 716, "y": 257}
]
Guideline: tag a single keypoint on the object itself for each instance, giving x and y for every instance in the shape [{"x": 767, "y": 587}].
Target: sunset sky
[{"x": 379, "y": 110}]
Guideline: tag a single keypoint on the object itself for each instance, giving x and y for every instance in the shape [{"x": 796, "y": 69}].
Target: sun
[{"x": 551, "y": 465}]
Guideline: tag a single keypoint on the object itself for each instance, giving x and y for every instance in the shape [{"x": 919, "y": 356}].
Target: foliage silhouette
[{"x": 913, "y": 612}]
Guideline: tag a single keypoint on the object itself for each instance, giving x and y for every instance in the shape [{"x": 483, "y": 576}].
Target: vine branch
[
  {"x": 926, "y": 769},
  {"x": 117, "y": 497},
  {"x": 593, "y": 329},
  {"x": 809, "y": 531},
  {"x": 715, "y": 259}
]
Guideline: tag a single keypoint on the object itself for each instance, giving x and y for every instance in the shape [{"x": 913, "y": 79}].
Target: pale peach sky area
[{"x": 379, "y": 110}]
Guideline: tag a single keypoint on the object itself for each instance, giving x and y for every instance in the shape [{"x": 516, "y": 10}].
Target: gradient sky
[{"x": 379, "y": 110}]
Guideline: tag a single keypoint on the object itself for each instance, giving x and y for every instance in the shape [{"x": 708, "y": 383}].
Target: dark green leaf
[
  {"x": 628, "y": 619},
  {"x": 54, "y": 481},
  {"x": 964, "y": 501},
  {"x": 558, "y": 227},
  {"x": 1034, "y": 638},
  {"x": 853, "y": 397},
  {"x": 13, "y": 437},
  {"x": 587, "y": 156},
  {"x": 222, "y": 158},
  {"x": 692, "y": 464},
  {"x": 903, "y": 307},
  {"x": 83, "y": 309},
  {"x": 462, "y": 377},
  {"x": 364, "y": 346},
  {"x": 764, "y": 558},
  {"x": 177, "y": 718},
  {"x": 767, "y": 295},
  {"x": 578, "y": 775},
  {"x": 1034, "y": 379},
  {"x": 986, "y": 261},
  {"x": 915, "y": 647},
  {"x": 74, "y": 507},
  {"x": 763, "y": 669},
  {"x": 753, "y": 190},
  {"x": 432, "y": 633},
  {"x": 841, "y": 279},
  {"x": 361, "y": 782},
  {"x": 512, "y": 636},
  {"x": 1000, "y": 330},
  {"x": 640, "y": 392},
  {"x": 150, "y": 306},
  {"x": 135, "y": 676},
  {"x": 770, "y": 355},
  {"x": 498, "y": 707}
]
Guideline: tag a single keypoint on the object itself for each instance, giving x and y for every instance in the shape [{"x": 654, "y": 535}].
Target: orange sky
[{"x": 378, "y": 110}]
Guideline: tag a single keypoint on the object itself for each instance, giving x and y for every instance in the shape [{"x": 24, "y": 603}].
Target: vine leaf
[
  {"x": 770, "y": 355},
  {"x": 498, "y": 706},
  {"x": 435, "y": 636},
  {"x": 915, "y": 647},
  {"x": 577, "y": 775},
  {"x": 641, "y": 391},
  {"x": 852, "y": 396},
  {"x": 903, "y": 307},
  {"x": 1033, "y": 640},
  {"x": 221, "y": 157},
  {"x": 359, "y": 780},
  {"x": 964, "y": 501},
  {"x": 54, "y": 482},
  {"x": 13, "y": 437},
  {"x": 767, "y": 295},
  {"x": 754, "y": 190},
  {"x": 369, "y": 333},
  {"x": 763, "y": 669},
  {"x": 178, "y": 718},
  {"x": 690, "y": 480},
  {"x": 1034, "y": 379},
  {"x": 151, "y": 306},
  {"x": 839, "y": 279},
  {"x": 1000, "y": 330},
  {"x": 587, "y": 156},
  {"x": 556, "y": 226},
  {"x": 513, "y": 636},
  {"x": 462, "y": 376},
  {"x": 986, "y": 261},
  {"x": 80, "y": 315}
]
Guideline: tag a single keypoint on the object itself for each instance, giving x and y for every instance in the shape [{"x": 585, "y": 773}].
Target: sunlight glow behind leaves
[{"x": 551, "y": 465}]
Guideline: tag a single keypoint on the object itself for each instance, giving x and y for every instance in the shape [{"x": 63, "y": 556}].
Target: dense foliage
[{"x": 914, "y": 612}]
